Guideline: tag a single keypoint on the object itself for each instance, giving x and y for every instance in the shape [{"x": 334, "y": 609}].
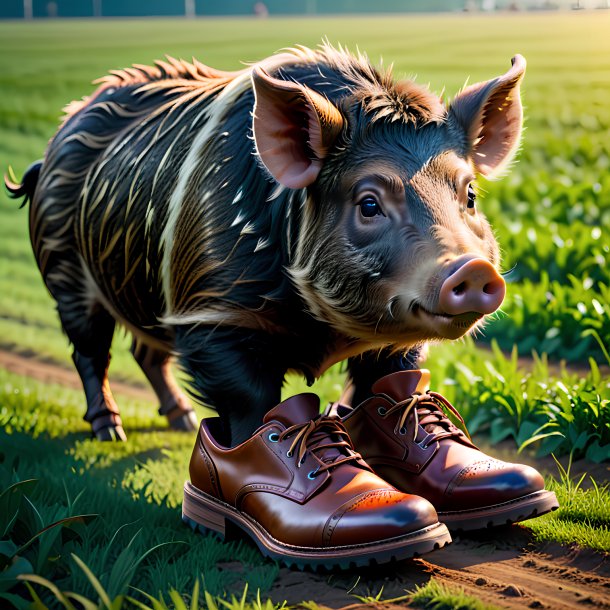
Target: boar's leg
[
  {"x": 238, "y": 372},
  {"x": 91, "y": 334},
  {"x": 174, "y": 404},
  {"x": 366, "y": 369}
]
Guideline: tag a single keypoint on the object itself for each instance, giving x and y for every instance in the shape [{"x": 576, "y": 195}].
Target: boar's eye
[
  {"x": 471, "y": 197},
  {"x": 369, "y": 207}
]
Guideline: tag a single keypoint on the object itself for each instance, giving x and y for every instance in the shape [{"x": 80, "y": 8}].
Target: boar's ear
[
  {"x": 492, "y": 116},
  {"x": 293, "y": 129}
]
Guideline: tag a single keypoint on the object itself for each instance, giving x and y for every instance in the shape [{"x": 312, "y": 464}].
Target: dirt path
[
  {"x": 503, "y": 568},
  {"x": 50, "y": 372}
]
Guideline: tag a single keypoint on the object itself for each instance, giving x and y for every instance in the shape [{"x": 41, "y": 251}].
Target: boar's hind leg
[
  {"x": 366, "y": 369},
  {"x": 91, "y": 334},
  {"x": 238, "y": 372},
  {"x": 174, "y": 404}
]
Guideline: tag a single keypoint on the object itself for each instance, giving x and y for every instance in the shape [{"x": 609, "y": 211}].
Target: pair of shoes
[{"x": 302, "y": 493}]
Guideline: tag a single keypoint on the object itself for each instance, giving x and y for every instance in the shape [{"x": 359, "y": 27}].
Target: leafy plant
[
  {"x": 178, "y": 601},
  {"x": 558, "y": 412},
  {"x": 34, "y": 539}
]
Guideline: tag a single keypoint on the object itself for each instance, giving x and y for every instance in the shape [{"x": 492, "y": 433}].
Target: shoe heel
[
  {"x": 203, "y": 518},
  {"x": 203, "y": 529}
]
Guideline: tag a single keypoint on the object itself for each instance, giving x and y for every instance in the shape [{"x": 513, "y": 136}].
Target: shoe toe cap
[
  {"x": 491, "y": 482},
  {"x": 379, "y": 515}
]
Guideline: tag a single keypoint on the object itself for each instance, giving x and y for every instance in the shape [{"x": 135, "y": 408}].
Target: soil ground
[{"x": 502, "y": 567}]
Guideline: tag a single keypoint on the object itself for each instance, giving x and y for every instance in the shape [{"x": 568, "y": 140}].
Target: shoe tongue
[
  {"x": 402, "y": 384},
  {"x": 298, "y": 409}
]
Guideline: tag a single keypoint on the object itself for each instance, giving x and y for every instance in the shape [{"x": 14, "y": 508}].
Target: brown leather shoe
[
  {"x": 305, "y": 497},
  {"x": 403, "y": 433}
]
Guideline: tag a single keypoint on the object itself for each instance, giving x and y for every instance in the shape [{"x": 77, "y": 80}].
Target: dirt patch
[
  {"x": 502, "y": 567},
  {"x": 51, "y": 372}
]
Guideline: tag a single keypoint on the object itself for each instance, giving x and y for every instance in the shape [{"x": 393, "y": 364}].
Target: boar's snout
[{"x": 475, "y": 286}]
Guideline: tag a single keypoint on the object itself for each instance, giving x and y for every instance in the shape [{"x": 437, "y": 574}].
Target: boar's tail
[{"x": 28, "y": 183}]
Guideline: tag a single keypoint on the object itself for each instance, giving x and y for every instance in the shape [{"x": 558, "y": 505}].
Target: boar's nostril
[
  {"x": 493, "y": 287},
  {"x": 460, "y": 288}
]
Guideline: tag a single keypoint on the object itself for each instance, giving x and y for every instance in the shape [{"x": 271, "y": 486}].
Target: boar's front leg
[
  {"x": 366, "y": 369},
  {"x": 238, "y": 372},
  {"x": 173, "y": 403}
]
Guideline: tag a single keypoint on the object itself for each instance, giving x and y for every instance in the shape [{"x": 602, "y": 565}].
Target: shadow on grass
[{"x": 124, "y": 517}]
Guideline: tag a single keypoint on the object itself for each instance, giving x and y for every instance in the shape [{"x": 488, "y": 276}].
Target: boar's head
[{"x": 392, "y": 247}]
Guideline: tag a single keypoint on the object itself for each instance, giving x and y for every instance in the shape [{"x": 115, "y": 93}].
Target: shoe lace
[
  {"x": 317, "y": 437},
  {"x": 418, "y": 405}
]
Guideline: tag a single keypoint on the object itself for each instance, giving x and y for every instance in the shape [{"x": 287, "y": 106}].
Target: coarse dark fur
[{"x": 152, "y": 208}]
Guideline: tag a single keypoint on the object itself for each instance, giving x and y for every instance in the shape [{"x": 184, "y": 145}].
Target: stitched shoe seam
[
  {"x": 333, "y": 520},
  {"x": 207, "y": 460},
  {"x": 458, "y": 479}
]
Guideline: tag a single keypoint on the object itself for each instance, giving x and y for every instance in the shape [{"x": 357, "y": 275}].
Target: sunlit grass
[
  {"x": 583, "y": 517},
  {"x": 435, "y": 595}
]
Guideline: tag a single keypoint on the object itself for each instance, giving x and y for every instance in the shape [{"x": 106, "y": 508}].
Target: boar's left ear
[
  {"x": 492, "y": 116},
  {"x": 293, "y": 128}
]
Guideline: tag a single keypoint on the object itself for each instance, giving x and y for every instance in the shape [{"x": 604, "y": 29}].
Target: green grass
[
  {"x": 134, "y": 489},
  {"x": 435, "y": 595},
  {"x": 583, "y": 517}
]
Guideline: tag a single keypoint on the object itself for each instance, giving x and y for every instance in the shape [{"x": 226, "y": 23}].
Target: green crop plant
[
  {"x": 552, "y": 411},
  {"x": 551, "y": 317}
]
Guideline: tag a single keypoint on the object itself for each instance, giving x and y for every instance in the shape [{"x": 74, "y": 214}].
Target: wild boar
[{"x": 302, "y": 211}]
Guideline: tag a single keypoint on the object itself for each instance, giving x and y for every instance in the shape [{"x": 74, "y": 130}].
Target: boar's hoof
[
  {"x": 111, "y": 433},
  {"x": 186, "y": 421},
  {"x": 107, "y": 426}
]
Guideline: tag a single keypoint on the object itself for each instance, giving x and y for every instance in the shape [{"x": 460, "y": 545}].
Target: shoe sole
[
  {"x": 205, "y": 513},
  {"x": 526, "y": 507}
]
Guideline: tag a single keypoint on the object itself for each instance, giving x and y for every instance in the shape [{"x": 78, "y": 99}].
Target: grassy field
[{"x": 551, "y": 215}]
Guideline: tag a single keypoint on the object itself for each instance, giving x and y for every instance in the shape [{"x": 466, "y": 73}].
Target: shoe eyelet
[
  {"x": 402, "y": 431},
  {"x": 289, "y": 454},
  {"x": 382, "y": 411},
  {"x": 312, "y": 475},
  {"x": 274, "y": 437}
]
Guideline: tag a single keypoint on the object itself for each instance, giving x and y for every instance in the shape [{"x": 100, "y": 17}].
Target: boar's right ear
[
  {"x": 293, "y": 128},
  {"x": 492, "y": 116}
]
